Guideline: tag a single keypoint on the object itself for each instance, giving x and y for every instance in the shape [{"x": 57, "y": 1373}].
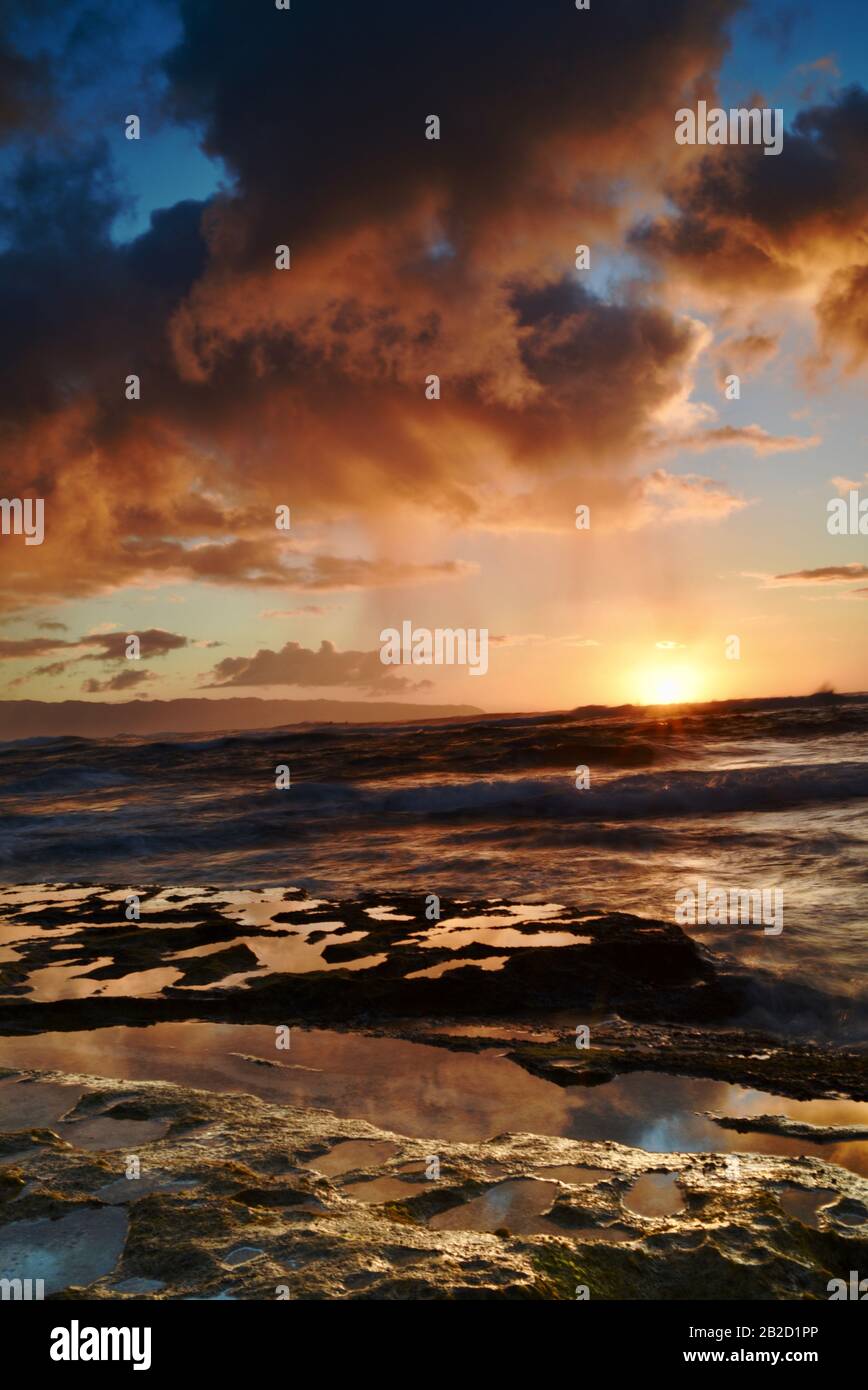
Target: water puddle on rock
[
  {"x": 655, "y": 1194},
  {"x": 805, "y": 1205},
  {"x": 75, "y": 1249},
  {"x": 517, "y": 1207},
  {"x": 498, "y": 929},
  {"x": 291, "y": 939},
  {"x": 100, "y": 1132},
  {"x": 34, "y": 1104},
  {"x": 138, "y": 1286},
  {"x": 297, "y": 955},
  {"x": 377, "y": 1190},
  {"x": 78, "y": 982},
  {"x": 417, "y": 1089},
  {"x": 352, "y": 1155},
  {"x": 122, "y": 1190},
  {"x": 434, "y": 972}
]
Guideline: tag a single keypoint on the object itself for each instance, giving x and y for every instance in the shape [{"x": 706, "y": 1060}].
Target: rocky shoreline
[
  {"x": 237, "y": 1198},
  {"x": 654, "y": 999},
  {"x": 377, "y": 956}
]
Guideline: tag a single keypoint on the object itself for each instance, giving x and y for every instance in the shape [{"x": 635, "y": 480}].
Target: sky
[{"x": 707, "y": 570}]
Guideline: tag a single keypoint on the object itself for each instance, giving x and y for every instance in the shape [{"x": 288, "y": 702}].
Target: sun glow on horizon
[{"x": 669, "y": 685}]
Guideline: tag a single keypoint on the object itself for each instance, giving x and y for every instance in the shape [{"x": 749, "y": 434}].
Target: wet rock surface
[
  {"x": 240, "y": 1198},
  {"x": 658, "y": 1001},
  {"x": 236, "y": 1196},
  {"x": 618, "y": 1047},
  {"x": 799, "y": 1069},
  {"x": 789, "y": 1128},
  {"x": 337, "y": 961},
  {"x": 63, "y": 1250},
  {"x": 761, "y": 1060}
]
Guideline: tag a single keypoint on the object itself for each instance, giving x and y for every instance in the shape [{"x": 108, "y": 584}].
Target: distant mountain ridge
[{"x": 99, "y": 719}]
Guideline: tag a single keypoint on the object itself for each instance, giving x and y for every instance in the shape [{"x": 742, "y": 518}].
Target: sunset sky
[{"x": 410, "y": 257}]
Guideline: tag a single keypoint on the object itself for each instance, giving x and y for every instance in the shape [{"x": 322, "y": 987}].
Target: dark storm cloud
[
  {"x": 25, "y": 99},
  {"x": 257, "y": 383},
  {"x": 320, "y": 111},
  {"x": 743, "y": 222}
]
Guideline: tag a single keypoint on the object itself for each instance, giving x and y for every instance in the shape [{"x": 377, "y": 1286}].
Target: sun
[{"x": 668, "y": 685}]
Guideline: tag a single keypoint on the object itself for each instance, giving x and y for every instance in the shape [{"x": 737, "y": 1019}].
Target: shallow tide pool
[{"x": 428, "y": 1092}]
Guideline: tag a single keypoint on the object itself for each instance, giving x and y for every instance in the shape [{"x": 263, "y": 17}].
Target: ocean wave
[
  {"x": 63, "y": 783},
  {"x": 251, "y": 812},
  {"x": 626, "y": 739},
  {"x": 664, "y": 794}
]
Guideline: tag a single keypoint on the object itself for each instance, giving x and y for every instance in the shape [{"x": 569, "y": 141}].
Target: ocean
[
  {"x": 754, "y": 795},
  {"x": 345, "y": 987}
]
